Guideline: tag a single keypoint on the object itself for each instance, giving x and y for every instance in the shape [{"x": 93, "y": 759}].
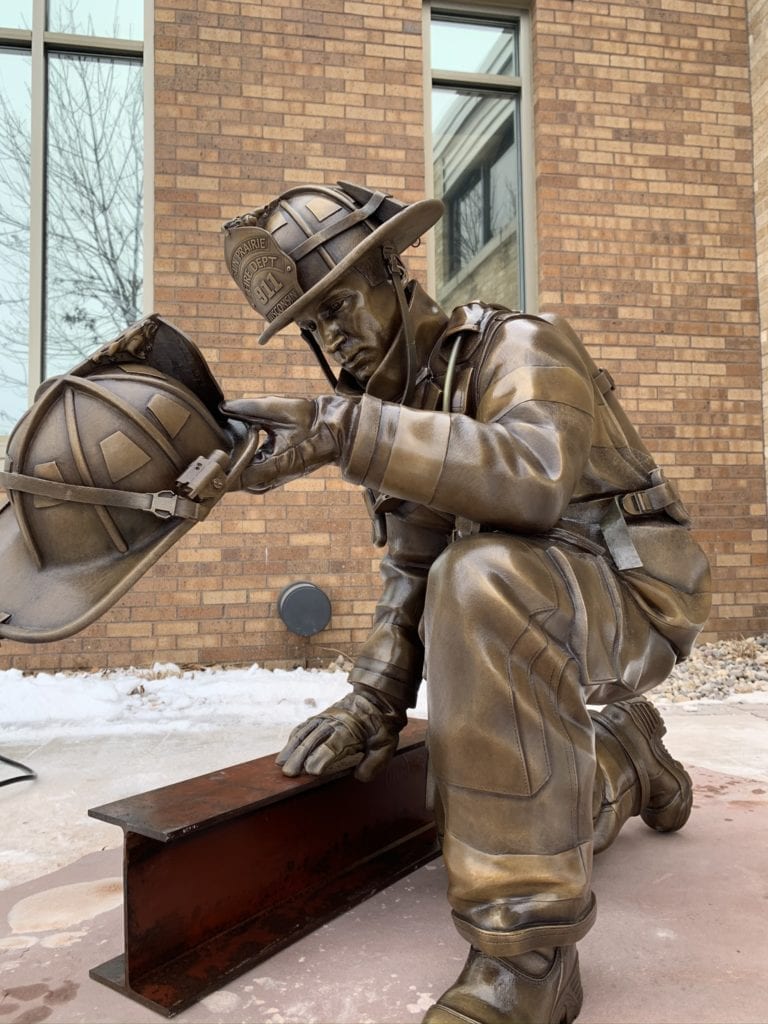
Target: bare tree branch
[{"x": 94, "y": 216}]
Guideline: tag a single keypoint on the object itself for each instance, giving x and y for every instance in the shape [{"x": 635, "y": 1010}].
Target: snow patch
[
  {"x": 222, "y": 1002},
  {"x": 57, "y": 909},
  {"x": 161, "y": 699},
  {"x": 423, "y": 1003}
]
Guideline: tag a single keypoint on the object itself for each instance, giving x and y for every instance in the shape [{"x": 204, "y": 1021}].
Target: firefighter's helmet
[
  {"x": 111, "y": 465},
  {"x": 284, "y": 255}
]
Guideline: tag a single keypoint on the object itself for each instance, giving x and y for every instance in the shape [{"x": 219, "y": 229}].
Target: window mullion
[
  {"x": 502, "y": 83},
  {"x": 15, "y": 37},
  {"x": 528, "y": 171},
  {"x": 148, "y": 296},
  {"x": 68, "y": 41},
  {"x": 429, "y": 182},
  {"x": 37, "y": 198}
]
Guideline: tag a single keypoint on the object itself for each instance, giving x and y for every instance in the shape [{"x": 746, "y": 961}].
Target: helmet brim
[
  {"x": 39, "y": 606},
  {"x": 400, "y": 231}
]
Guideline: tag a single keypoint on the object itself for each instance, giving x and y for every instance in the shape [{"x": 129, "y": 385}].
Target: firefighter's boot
[
  {"x": 540, "y": 987},
  {"x": 636, "y": 774}
]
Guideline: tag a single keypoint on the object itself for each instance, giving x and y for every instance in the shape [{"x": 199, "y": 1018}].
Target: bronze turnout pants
[{"x": 519, "y": 635}]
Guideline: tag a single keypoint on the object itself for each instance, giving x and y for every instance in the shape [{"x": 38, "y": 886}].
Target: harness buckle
[
  {"x": 636, "y": 503},
  {"x": 603, "y": 381}
]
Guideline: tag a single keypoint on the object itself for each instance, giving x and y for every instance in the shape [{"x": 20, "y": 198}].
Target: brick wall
[
  {"x": 646, "y": 240},
  {"x": 758, "y": 40},
  {"x": 251, "y": 98}
]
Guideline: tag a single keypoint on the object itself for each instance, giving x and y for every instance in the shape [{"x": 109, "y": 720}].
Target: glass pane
[
  {"x": 94, "y": 204},
  {"x": 474, "y": 48},
  {"x": 115, "y": 19},
  {"x": 14, "y": 235},
  {"x": 477, "y": 175},
  {"x": 16, "y": 14}
]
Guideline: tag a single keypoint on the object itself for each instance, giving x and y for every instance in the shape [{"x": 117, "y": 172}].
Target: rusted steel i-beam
[{"x": 223, "y": 870}]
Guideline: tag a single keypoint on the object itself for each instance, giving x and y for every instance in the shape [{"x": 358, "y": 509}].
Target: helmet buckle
[
  {"x": 164, "y": 504},
  {"x": 205, "y": 477}
]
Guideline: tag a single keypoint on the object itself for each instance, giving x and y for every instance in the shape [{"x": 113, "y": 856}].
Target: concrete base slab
[
  {"x": 680, "y": 936},
  {"x": 46, "y": 823}
]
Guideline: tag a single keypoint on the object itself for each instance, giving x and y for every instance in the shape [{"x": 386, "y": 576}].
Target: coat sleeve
[
  {"x": 392, "y": 658},
  {"x": 514, "y": 465}
]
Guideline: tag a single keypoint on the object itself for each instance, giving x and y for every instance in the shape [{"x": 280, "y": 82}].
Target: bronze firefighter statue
[{"x": 537, "y": 561}]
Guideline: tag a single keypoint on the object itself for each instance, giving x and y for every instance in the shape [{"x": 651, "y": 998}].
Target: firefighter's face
[{"x": 355, "y": 323}]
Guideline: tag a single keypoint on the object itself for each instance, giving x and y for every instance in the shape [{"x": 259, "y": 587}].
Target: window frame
[
  {"x": 39, "y": 43},
  {"x": 520, "y": 85}
]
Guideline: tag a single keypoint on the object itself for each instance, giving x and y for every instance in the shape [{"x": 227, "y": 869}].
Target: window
[
  {"x": 480, "y": 121},
  {"x": 71, "y": 185}
]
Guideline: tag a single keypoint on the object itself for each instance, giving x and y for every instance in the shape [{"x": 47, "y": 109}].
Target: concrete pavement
[{"x": 681, "y": 936}]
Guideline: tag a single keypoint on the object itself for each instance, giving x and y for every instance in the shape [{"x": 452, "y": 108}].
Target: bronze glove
[
  {"x": 361, "y": 729},
  {"x": 302, "y": 435}
]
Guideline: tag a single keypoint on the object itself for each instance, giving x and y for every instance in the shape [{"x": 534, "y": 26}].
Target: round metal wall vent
[{"x": 304, "y": 608}]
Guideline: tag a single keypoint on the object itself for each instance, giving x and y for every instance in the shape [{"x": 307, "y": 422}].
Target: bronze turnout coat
[{"x": 535, "y": 444}]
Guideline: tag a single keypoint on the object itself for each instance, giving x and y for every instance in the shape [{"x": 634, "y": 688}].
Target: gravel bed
[{"x": 718, "y": 671}]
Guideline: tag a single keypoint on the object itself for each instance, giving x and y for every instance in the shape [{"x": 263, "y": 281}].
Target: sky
[{"x": 121, "y": 18}]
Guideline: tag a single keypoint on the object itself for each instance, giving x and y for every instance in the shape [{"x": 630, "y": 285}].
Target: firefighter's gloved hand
[
  {"x": 361, "y": 729},
  {"x": 302, "y": 435}
]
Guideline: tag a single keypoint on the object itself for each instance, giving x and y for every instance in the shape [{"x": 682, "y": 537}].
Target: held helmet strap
[{"x": 319, "y": 355}]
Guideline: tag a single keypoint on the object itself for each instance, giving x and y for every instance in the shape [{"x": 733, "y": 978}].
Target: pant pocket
[{"x": 492, "y": 737}]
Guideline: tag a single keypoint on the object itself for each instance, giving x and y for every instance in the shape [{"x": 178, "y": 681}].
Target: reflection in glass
[
  {"x": 16, "y": 14},
  {"x": 14, "y": 235},
  {"x": 481, "y": 49},
  {"x": 477, "y": 175},
  {"x": 467, "y": 223},
  {"x": 502, "y": 181},
  {"x": 94, "y": 205},
  {"x": 115, "y": 19}
]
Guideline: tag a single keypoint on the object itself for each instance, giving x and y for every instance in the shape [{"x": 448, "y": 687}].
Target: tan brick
[{"x": 647, "y": 238}]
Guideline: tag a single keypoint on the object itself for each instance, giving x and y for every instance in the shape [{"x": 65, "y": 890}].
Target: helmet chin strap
[
  {"x": 395, "y": 274},
  {"x": 319, "y": 355}
]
